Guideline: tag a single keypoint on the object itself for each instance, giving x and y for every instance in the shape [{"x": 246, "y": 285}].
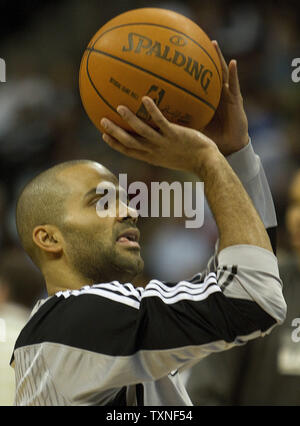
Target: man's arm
[
  {"x": 229, "y": 130},
  {"x": 201, "y": 384},
  {"x": 237, "y": 219},
  {"x": 181, "y": 148},
  {"x": 247, "y": 166}
]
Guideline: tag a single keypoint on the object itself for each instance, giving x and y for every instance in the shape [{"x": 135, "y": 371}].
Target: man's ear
[{"x": 48, "y": 238}]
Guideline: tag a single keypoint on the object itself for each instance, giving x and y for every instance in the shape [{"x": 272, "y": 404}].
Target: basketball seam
[
  {"x": 92, "y": 83},
  {"x": 146, "y": 71},
  {"x": 168, "y": 28}
]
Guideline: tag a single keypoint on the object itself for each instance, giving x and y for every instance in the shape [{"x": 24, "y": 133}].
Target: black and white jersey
[{"x": 113, "y": 344}]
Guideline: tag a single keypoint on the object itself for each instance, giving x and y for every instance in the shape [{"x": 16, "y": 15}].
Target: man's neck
[{"x": 63, "y": 280}]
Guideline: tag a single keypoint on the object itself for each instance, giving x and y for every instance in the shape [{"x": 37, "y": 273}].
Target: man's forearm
[{"x": 236, "y": 217}]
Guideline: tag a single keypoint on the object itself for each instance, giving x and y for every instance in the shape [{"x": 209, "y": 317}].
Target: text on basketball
[{"x": 139, "y": 43}]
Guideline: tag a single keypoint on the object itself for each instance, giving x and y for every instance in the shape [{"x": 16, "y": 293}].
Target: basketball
[{"x": 153, "y": 52}]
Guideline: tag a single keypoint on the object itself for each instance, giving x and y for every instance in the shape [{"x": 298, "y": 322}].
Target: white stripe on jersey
[
  {"x": 116, "y": 286},
  {"x": 212, "y": 288},
  {"x": 108, "y": 290},
  {"x": 131, "y": 296},
  {"x": 113, "y": 296},
  {"x": 190, "y": 287}
]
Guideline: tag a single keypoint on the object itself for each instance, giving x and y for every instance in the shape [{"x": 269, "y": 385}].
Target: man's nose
[{"x": 126, "y": 212}]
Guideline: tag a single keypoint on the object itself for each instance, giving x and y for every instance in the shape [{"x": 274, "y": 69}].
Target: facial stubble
[{"x": 101, "y": 261}]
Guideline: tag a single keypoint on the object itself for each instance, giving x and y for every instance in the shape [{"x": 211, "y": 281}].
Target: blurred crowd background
[{"x": 42, "y": 121}]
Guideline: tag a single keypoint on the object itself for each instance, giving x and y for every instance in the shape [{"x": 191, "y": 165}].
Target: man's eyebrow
[{"x": 93, "y": 191}]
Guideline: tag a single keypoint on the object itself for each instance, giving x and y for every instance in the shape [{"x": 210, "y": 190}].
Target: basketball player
[{"x": 98, "y": 340}]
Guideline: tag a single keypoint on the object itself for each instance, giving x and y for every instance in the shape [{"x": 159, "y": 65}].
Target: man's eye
[
  {"x": 94, "y": 200},
  {"x": 104, "y": 205}
]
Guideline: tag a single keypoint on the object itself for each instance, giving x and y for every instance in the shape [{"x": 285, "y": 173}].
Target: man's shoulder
[
  {"x": 105, "y": 290},
  {"x": 75, "y": 318}
]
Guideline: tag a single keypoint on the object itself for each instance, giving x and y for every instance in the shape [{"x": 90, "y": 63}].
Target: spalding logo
[
  {"x": 177, "y": 40},
  {"x": 139, "y": 43}
]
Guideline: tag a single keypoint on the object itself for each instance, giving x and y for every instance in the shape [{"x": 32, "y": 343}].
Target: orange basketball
[{"x": 154, "y": 52}]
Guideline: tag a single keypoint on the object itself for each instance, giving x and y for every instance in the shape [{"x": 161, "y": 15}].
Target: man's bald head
[{"x": 42, "y": 202}]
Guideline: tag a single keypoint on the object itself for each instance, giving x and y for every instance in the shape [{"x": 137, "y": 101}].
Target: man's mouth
[{"x": 129, "y": 238}]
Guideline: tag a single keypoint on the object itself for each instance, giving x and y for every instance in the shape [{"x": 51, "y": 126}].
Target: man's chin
[
  {"x": 128, "y": 251},
  {"x": 128, "y": 265}
]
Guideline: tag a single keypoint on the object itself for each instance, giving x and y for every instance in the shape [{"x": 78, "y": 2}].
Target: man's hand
[
  {"x": 181, "y": 148},
  {"x": 175, "y": 146},
  {"x": 229, "y": 126},
  {"x": 172, "y": 146}
]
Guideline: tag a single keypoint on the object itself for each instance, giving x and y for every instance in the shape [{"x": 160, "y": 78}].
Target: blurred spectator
[
  {"x": 21, "y": 285},
  {"x": 270, "y": 141},
  {"x": 32, "y": 111},
  {"x": 265, "y": 371},
  {"x": 242, "y": 30}
]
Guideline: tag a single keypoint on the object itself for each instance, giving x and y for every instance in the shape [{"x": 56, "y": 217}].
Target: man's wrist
[
  {"x": 243, "y": 141},
  {"x": 207, "y": 161}
]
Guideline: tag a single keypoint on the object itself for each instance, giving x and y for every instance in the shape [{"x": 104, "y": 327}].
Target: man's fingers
[
  {"x": 156, "y": 115},
  {"x": 230, "y": 73},
  {"x": 223, "y": 62},
  {"x": 137, "y": 125},
  {"x": 234, "y": 84},
  {"x": 124, "y": 137},
  {"x": 115, "y": 144}
]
